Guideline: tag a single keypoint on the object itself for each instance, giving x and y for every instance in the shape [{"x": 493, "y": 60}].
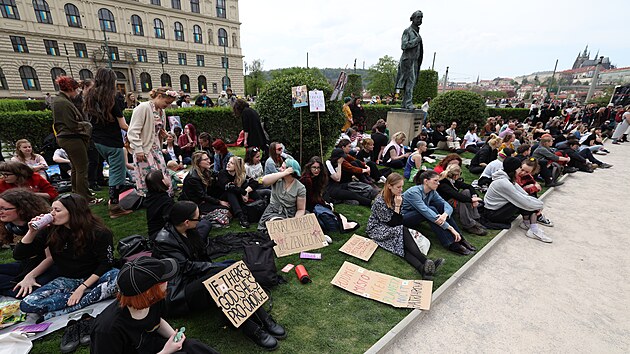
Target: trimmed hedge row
[
  {"x": 509, "y": 113},
  {"x": 12, "y": 105},
  {"x": 32, "y": 125},
  {"x": 375, "y": 112}
]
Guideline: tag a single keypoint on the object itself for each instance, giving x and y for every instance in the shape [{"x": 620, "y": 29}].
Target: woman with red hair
[
  {"x": 188, "y": 142},
  {"x": 221, "y": 155},
  {"x": 450, "y": 159}
]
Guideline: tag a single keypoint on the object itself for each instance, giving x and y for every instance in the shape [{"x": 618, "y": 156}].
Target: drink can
[{"x": 42, "y": 222}]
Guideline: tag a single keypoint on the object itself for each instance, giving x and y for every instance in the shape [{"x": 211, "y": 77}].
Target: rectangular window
[
  {"x": 113, "y": 53},
  {"x": 81, "y": 50},
  {"x": 221, "y": 9},
  {"x": 177, "y": 4},
  {"x": 163, "y": 57},
  {"x": 52, "y": 48},
  {"x": 43, "y": 16},
  {"x": 225, "y": 64},
  {"x": 142, "y": 55},
  {"x": 194, "y": 6},
  {"x": 19, "y": 44},
  {"x": 181, "y": 58},
  {"x": 201, "y": 60},
  {"x": 156, "y": 2},
  {"x": 9, "y": 10}
]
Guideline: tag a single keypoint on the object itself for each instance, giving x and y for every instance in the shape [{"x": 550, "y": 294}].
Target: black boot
[
  {"x": 270, "y": 325},
  {"x": 258, "y": 335},
  {"x": 70, "y": 339}
]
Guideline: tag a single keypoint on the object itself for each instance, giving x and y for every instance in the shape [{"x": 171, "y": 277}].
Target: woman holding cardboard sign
[
  {"x": 186, "y": 291},
  {"x": 385, "y": 227}
]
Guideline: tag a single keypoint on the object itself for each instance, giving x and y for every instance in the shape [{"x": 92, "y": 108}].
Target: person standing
[
  {"x": 347, "y": 114},
  {"x": 203, "y": 100},
  {"x": 358, "y": 115},
  {"x": 254, "y": 133}
]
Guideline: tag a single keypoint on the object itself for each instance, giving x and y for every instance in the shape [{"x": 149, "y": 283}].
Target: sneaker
[
  {"x": 606, "y": 165},
  {"x": 382, "y": 179},
  {"x": 542, "y": 220},
  {"x": 328, "y": 239},
  {"x": 428, "y": 270},
  {"x": 85, "y": 329},
  {"x": 606, "y": 151},
  {"x": 523, "y": 226},
  {"x": 242, "y": 220},
  {"x": 571, "y": 169},
  {"x": 438, "y": 262},
  {"x": 539, "y": 235},
  {"x": 116, "y": 211},
  {"x": 70, "y": 340},
  {"x": 94, "y": 201},
  {"x": 554, "y": 184}
]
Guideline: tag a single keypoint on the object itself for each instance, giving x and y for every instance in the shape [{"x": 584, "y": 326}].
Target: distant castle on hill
[{"x": 584, "y": 60}]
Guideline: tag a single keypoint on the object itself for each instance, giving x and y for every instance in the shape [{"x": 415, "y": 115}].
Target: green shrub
[
  {"x": 282, "y": 121},
  {"x": 464, "y": 107},
  {"x": 32, "y": 125},
  {"x": 354, "y": 85},
  {"x": 375, "y": 112},
  {"x": 426, "y": 86},
  {"x": 12, "y": 105},
  {"x": 509, "y": 113}
]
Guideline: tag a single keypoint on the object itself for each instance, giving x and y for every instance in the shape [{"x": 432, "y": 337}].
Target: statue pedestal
[{"x": 408, "y": 122}]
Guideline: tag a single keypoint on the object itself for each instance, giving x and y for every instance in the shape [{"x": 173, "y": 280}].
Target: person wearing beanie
[
  {"x": 136, "y": 319},
  {"x": 505, "y": 199},
  {"x": 347, "y": 114},
  {"x": 186, "y": 292},
  {"x": 486, "y": 176},
  {"x": 288, "y": 194}
]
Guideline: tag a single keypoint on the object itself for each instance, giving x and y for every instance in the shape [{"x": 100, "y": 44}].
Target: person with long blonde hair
[
  {"x": 385, "y": 227},
  {"x": 24, "y": 154},
  {"x": 200, "y": 185},
  {"x": 238, "y": 189},
  {"x": 486, "y": 154}
]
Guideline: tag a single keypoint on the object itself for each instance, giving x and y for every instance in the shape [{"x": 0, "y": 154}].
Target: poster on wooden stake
[
  {"x": 358, "y": 246},
  {"x": 295, "y": 235}
]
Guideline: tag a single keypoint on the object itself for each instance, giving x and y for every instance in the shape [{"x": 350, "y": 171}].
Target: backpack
[
  {"x": 259, "y": 258},
  {"x": 326, "y": 218},
  {"x": 132, "y": 247},
  {"x": 255, "y": 210}
]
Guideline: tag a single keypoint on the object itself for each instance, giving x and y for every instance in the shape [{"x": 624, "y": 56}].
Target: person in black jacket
[
  {"x": 157, "y": 201},
  {"x": 186, "y": 291},
  {"x": 238, "y": 189},
  {"x": 200, "y": 186},
  {"x": 203, "y": 100},
  {"x": 254, "y": 133},
  {"x": 463, "y": 198},
  {"x": 485, "y": 155}
]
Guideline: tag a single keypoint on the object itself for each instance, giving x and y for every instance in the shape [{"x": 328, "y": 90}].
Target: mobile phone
[{"x": 179, "y": 334}]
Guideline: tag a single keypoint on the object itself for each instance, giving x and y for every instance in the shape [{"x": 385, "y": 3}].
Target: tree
[
  {"x": 382, "y": 76},
  {"x": 354, "y": 85},
  {"x": 255, "y": 81},
  {"x": 426, "y": 86},
  {"x": 464, "y": 107}
]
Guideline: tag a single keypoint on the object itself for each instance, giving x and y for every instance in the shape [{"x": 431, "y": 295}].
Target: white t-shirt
[{"x": 471, "y": 138}]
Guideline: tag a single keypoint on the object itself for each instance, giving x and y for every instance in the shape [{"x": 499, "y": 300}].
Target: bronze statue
[{"x": 409, "y": 65}]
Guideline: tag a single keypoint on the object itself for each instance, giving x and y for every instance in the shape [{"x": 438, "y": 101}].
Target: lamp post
[
  {"x": 225, "y": 64},
  {"x": 109, "y": 57},
  {"x": 68, "y": 58}
]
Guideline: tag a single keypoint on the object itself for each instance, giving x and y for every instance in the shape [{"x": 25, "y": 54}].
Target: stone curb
[{"x": 386, "y": 341}]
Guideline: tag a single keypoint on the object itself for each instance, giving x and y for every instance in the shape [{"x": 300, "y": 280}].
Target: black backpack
[{"x": 259, "y": 258}]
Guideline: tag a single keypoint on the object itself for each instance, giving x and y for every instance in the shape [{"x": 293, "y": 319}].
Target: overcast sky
[{"x": 488, "y": 38}]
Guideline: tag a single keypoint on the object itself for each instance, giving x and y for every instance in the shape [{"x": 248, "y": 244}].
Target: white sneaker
[
  {"x": 382, "y": 179},
  {"x": 523, "y": 226},
  {"x": 539, "y": 235},
  {"x": 328, "y": 239}
]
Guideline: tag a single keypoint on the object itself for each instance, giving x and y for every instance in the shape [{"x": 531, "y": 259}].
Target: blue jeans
[
  {"x": 52, "y": 299},
  {"x": 117, "y": 162},
  {"x": 412, "y": 220},
  {"x": 9, "y": 271}
]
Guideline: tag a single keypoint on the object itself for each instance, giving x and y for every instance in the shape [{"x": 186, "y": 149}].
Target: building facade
[{"x": 186, "y": 44}]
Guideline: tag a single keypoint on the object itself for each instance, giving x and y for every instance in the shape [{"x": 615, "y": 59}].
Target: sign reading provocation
[
  {"x": 358, "y": 246},
  {"x": 384, "y": 288},
  {"x": 316, "y": 101},
  {"x": 236, "y": 292},
  {"x": 295, "y": 235}
]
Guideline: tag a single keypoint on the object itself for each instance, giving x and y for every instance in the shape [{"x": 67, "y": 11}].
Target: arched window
[
  {"x": 197, "y": 34},
  {"x": 30, "y": 81},
  {"x": 85, "y": 74},
  {"x": 72, "y": 15},
  {"x": 3, "y": 81},
  {"x": 226, "y": 82},
  {"x": 42, "y": 11},
  {"x": 184, "y": 82},
  {"x": 202, "y": 83},
  {"x": 120, "y": 75},
  {"x": 9, "y": 9},
  {"x": 136, "y": 25},
  {"x": 106, "y": 20},
  {"x": 223, "y": 39},
  {"x": 145, "y": 82},
  {"x": 159, "y": 28},
  {"x": 54, "y": 74},
  {"x": 165, "y": 80},
  {"x": 194, "y": 6},
  {"x": 179, "y": 32}
]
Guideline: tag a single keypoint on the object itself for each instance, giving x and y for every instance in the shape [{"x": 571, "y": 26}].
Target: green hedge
[
  {"x": 464, "y": 107},
  {"x": 12, "y": 105},
  {"x": 426, "y": 86},
  {"x": 31, "y": 125},
  {"x": 509, "y": 113},
  {"x": 375, "y": 112}
]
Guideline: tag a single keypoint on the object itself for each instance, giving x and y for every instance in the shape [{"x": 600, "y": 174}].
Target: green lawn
[{"x": 318, "y": 316}]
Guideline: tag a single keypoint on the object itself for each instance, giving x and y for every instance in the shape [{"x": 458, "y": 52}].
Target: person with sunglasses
[
  {"x": 81, "y": 247},
  {"x": 14, "y": 174}
]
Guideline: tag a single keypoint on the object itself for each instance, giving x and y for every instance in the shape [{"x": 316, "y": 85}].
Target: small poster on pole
[
  {"x": 358, "y": 246},
  {"x": 174, "y": 121},
  {"x": 295, "y": 235},
  {"x": 339, "y": 86},
  {"x": 299, "y": 96},
  {"x": 316, "y": 101},
  {"x": 236, "y": 292}
]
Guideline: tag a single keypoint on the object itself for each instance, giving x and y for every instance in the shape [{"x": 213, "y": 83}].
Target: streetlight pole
[
  {"x": 68, "y": 58},
  {"x": 225, "y": 65},
  {"x": 109, "y": 57}
]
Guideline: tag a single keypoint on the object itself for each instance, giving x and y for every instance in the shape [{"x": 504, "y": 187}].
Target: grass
[{"x": 319, "y": 317}]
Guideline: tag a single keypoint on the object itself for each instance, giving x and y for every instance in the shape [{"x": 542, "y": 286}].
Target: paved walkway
[{"x": 526, "y": 296}]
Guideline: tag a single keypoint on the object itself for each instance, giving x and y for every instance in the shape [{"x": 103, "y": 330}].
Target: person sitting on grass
[
  {"x": 253, "y": 167},
  {"x": 276, "y": 158},
  {"x": 450, "y": 159},
  {"x": 157, "y": 202},
  {"x": 172, "y": 151},
  {"x": 81, "y": 247},
  {"x": 485, "y": 155},
  {"x": 24, "y": 154},
  {"x": 525, "y": 179},
  {"x": 186, "y": 292},
  {"x": 136, "y": 318},
  {"x": 340, "y": 172},
  {"x": 221, "y": 155},
  {"x": 394, "y": 154},
  {"x": 422, "y": 202},
  {"x": 237, "y": 189},
  {"x": 546, "y": 157},
  {"x": 200, "y": 184},
  {"x": 385, "y": 227},
  {"x": 414, "y": 161},
  {"x": 14, "y": 174},
  {"x": 355, "y": 167},
  {"x": 288, "y": 195},
  {"x": 523, "y": 151},
  {"x": 365, "y": 155},
  {"x": 486, "y": 176},
  {"x": 315, "y": 180},
  {"x": 472, "y": 142},
  {"x": 463, "y": 198},
  {"x": 505, "y": 199}
]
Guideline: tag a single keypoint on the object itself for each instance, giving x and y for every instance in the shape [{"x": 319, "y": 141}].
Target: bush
[
  {"x": 464, "y": 107},
  {"x": 354, "y": 85},
  {"x": 375, "y": 112},
  {"x": 282, "y": 121},
  {"x": 426, "y": 86},
  {"x": 509, "y": 113},
  {"x": 10, "y": 105},
  {"x": 32, "y": 125}
]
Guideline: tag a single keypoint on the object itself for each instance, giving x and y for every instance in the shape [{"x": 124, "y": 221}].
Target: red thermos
[{"x": 302, "y": 274}]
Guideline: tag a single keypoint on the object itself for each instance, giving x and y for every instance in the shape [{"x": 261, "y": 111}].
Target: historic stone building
[
  {"x": 187, "y": 44},
  {"x": 584, "y": 60}
]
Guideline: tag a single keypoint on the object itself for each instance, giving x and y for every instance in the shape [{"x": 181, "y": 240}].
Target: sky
[{"x": 485, "y": 38}]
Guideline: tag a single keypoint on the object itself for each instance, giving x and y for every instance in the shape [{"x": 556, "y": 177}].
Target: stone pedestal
[{"x": 408, "y": 122}]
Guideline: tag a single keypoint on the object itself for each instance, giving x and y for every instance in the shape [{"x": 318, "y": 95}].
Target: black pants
[
  {"x": 476, "y": 169},
  {"x": 236, "y": 201},
  {"x": 339, "y": 191},
  {"x": 412, "y": 253},
  {"x": 484, "y": 181},
  {"x": 506, "y": 214},
  {"x": 395, "y": 163},
  {"x": 95, "y": 166}
]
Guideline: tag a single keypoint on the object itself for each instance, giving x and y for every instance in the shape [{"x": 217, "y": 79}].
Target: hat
[
  {"x": 141, "y": 274},
  {"x": 181, "y": 211},
  {"x": 336, "y": 154},
  {"x": 295, "y": 165},
  {"x": 223, "y": 93},
  {"x": 610, "y": 105},
  {"x": 505, "y": 153},
  {"x": 511, "y": 164}
]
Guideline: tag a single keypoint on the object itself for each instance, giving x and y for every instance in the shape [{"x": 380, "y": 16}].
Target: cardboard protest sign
[
  {"x": 174, "y": 121},
  {"x": 296, "y": 235},
  {"x": 299, "y": 96},
  {"x": 316, "y": 101},
  {"x": 236, "y": 292},
  {"x": 384, "y": 288},
  {"x": 358, "y": 246}
]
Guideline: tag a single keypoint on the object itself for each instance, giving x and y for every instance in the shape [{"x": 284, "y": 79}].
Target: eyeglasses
[
  {"x": 315, "y": 168},
  {"x": 2, "y": 210},
  {"x": 279, "y": 149}
]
